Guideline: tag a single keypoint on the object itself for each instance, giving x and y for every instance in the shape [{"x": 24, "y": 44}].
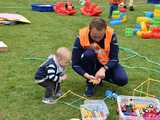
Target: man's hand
[
  {"x": 89, "y": 77},
  {"x": 100, "y": 74},
  {"x": 96, "y": 81},
  {"x": 94, "y": 46}
]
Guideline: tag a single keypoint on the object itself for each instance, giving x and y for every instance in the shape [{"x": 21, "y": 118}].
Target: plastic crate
[
  {"x": 94, "y": 110},
  {"x": 121, "y": 100}
]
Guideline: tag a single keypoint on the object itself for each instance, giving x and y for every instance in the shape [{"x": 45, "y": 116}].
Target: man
[{"x": 95, "y": 56}]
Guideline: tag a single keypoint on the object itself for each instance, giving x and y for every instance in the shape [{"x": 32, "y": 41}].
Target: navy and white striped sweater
[{"x": 49, "y": 70}]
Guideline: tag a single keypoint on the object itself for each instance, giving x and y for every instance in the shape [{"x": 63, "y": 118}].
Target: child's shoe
[
  {"x": 59, "y": 93},
  {"x": 49, "y": 100}
]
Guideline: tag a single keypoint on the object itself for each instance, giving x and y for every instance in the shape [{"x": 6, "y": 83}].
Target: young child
[
  {"x": 51, "y": 73},
  {"x": 114, "y": 6}
]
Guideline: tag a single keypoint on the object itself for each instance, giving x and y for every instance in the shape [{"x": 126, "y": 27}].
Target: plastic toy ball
[{"x": 111, "y": 94}]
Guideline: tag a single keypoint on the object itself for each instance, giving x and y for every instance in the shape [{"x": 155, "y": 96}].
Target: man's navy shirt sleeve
[{"x": 76, "y": 57}]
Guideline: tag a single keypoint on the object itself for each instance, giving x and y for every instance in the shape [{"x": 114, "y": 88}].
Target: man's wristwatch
[{"x": 106, "y": 67}]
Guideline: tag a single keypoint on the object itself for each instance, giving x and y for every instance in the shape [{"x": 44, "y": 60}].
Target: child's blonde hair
[{"x": 63, "y": 53}]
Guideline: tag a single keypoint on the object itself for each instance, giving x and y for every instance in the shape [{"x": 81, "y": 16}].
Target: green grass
[{"x": 20, "y": 97}]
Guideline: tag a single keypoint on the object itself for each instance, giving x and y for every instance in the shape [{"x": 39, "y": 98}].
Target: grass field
[{"x": 20, "y": 97}]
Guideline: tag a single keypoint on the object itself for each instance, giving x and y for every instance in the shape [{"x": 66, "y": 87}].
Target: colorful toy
[
  {"x": 42, "y": 7},
  {"x": 111, "y": 94},
  {"x": 150, "y": 35},
  {"x": 138, "y": 108},
  {"x": 128, "y": 32},
  {"x": 143, "y": 27},
  {"x": 95, "y": 82},
  {"x": 64, "y": 8},
  {"x": 118, "y": 17},
  {"x": 115, "y": 22},
  {"x": 151, "y": 113},
  {"x": 143, "y": 19},
  {"x": 87, "y": 115},
  {"x": 137, "y": 28},
  {"x": 94, "y": 110},
  {"x": 122, "y": 9},
  {"x": 90, "y": 9},
  {"x": 148, "y": 27},
  {"x": 148, "y": 14}
]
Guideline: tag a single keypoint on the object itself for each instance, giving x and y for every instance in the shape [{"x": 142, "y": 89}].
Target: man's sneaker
[
  {"x": 49, "y": 100},
  {"x": 89, "y": 90},
  {"x": 59, "y": 93}
]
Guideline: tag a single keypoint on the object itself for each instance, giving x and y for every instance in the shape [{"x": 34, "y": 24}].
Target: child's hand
[{"x": 64, "y": 77}]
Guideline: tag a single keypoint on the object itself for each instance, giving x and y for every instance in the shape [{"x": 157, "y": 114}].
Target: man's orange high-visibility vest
[{"x": 102, "y": 54}]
